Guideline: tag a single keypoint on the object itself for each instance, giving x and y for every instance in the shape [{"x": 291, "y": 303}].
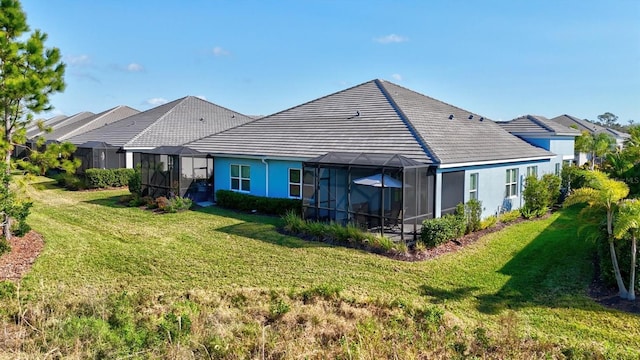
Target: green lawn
[{"x": 530, "y": 278}]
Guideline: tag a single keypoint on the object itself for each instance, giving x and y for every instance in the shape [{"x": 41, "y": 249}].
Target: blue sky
[{"x": 500, "y": 59}]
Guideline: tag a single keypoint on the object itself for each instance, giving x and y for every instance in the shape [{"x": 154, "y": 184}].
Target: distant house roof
[
  {"x": 69, "y": 129},
  {"x": 57, "y": 122},
  {"x": 174, "y": 123},
  {"x": 584, "y": 125},
  {"x": 374, "y": 117},
  {"x": 537, "y": 125}
]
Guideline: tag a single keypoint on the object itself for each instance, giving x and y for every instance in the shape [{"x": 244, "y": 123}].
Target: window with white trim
[
  {"x": 295, "y": 183},
  {"x": 473, "y": 186},
  {"x": 511, "y": 183},
  {"x": 240, "y": 177},
  {"x": 532, "y": 170}
]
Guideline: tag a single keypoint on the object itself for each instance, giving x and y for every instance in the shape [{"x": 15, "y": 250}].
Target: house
[
  {"x": 171, "y": 124},
  {"x": 549, "y": 135},
  {"x": 585, "y": 125},
  {"x": 441, "y": 154}
]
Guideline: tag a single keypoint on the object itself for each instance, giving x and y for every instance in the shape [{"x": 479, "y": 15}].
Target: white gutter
[
  {"x": 266, "y": 164},
  {"x": 492, "y": 162}
]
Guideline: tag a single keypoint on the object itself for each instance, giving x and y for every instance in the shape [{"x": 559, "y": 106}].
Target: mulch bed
[{"x": 24, "y": 251}]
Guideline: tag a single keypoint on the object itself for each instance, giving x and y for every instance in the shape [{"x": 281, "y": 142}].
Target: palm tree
[
  {"x": 603, "y": 193},
  {"x": 628, "y": 221},
  {"x": 596, "y": 145}
]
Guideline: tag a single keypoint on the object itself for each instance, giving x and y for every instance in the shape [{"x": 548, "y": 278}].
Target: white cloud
[
  {"x": 134, "y": 67},
  {"x": 218, "y": 51},
  {"x": 202, "y": 97},
  {"x": 391, "y": 38},
  {"x": 156, "y": 101},
  {"x": 397, "y": 77},
  {"x": 79, "y": 60}
]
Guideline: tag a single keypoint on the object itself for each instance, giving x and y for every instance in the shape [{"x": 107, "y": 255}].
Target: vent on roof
[
  {"x": 354, "y": 116},
  {"x": 201, "y": 119},
  {"x": 451, "y": 117},
  {"x": 470, "y": 116},
  {"x": 481, "y": 118}
]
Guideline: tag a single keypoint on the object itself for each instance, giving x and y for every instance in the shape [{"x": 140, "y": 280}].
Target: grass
[{"x": 244, "y": 290}]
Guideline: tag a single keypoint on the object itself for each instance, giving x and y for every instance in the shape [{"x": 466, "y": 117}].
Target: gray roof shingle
[
  {"x": 56, "y": 122},
  {"x": 173, "y": 123},
  {"x": 584, "y": 125},
  {"x": 536, "y": 124},
  {"x": 80, "y": 126},
  {"x": 373, "y": 117}
]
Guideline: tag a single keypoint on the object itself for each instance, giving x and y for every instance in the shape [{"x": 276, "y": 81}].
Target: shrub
[
  {"x": 552, "y": 183},
  {"x": 536, "y": 197},
  {"x": 472, "y": 215},
  {"x": 293, "y": 222},
  {"x": 509, "y": 216},
  {"x": 135, "y": 181},
  {"x": 488, "y": 222},
  {"x": 264, "y": 205},
  {"x": 19, "y": 213},
  {"x": 176, "y": 204},
  {"x": 440, "y": 230},
  {"x": 149, "y": 202},
  {"x": 104, "y": 178},
  {"x": 162, "y": 203},
  {"x": 69, "y": 181}
]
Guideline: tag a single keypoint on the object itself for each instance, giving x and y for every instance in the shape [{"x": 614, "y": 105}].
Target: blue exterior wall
[
  {"x": 563, "y": 147},
  {"x": 492, "y": 184},
  {"x": 277, "y": 179}
]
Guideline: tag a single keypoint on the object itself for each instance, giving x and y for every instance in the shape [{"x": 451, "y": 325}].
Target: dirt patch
[
  {"x": 24, "y": 251},
  {"x": 608, "y": 296}
]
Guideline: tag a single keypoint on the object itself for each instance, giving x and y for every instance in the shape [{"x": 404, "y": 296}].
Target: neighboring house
[
  {"x": 422, "y": 152},
  {"x": 549, "y": 135},
  {"x": 585, "y": 125},
  {"x": 172, "y": 124},
  {"x": 52, "y": 124}
]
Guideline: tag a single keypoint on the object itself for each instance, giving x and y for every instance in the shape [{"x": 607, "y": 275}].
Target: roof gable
[
  {"x": 91, "y": 122},
  {"x": 537, "y": 125},
  {"x": 585, "y": 125}
]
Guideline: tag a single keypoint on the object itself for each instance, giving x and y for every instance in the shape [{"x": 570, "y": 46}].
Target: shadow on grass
[
  {"x": 47, "y": 185},
  {"x": 257, "y": 227},
  {"x": 438, "y": 296},
  {"x": 553, "y": 270},
  {"x": 111, "y": 201}
]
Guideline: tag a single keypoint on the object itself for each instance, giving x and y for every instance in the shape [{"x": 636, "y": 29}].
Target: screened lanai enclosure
[
  {"x": 177, "y": 171},
  {"x": 383, "y": 193},
  {"x": 98, "y": 155}
]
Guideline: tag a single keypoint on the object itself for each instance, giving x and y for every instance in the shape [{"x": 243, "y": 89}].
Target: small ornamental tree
[
  {"x": 29, "y": 74},
  {"x": 627, "y": 221}
]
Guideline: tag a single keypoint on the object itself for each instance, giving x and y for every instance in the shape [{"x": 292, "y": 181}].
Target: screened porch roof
[{"x": 360, "y": 159}]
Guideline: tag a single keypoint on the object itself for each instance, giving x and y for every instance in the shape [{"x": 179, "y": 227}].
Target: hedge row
[
  {"x": 104, "y": 178},
  {"x": 440, "y": 230},
  {"x": 264, "y": 205}
]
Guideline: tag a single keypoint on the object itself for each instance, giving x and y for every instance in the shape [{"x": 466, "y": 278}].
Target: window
[
  {"x": 512, "y": 183},
  {"x": 241, "y": 177},
  {"x": 532, "y": 170},
  {"x": 557, "y": 172},
  {"x": 473, "y": 186},
  {"x": 295, "y": 183}
]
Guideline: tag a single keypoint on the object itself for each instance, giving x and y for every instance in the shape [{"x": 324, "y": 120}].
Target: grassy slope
[{"x": 539, "y": 269}]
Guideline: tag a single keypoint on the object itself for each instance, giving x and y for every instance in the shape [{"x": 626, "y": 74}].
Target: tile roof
[
  {"x": 582, "y": 125},
  {"x": 373, "y": 117},
  {"x": 537, "y": 125},
  {"x": 57, "y": 122},
  {"x": 173, "y": 123},
  {"x": 80, "y": 126}
]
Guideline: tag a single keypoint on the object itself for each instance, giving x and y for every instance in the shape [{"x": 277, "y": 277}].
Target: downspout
[{"x": 266, "y": 165}]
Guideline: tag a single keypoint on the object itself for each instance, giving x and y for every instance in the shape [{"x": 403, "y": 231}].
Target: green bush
[
  {"x": 135, "y": 182},
  {"x": 69, "y": 181},
  {"x": 264, "y": 205},
  {"x": 104, "y": 178},
  {"x": 4, "y": 246},
  {"x": 489, "y": 222},
  {"x": 440, "y": 230},
  {"x": 552, "y": 183},
  {"x": 536, "y": 197},
  {"x": 19, "y": 213},
  {"x": 509, "y": 216},
  {"x": 472, "y": 215},
  {"x": 177, "y": 203}
]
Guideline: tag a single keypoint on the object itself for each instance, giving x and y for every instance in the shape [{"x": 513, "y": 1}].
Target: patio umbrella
[{"x": 377, "y": 180}]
